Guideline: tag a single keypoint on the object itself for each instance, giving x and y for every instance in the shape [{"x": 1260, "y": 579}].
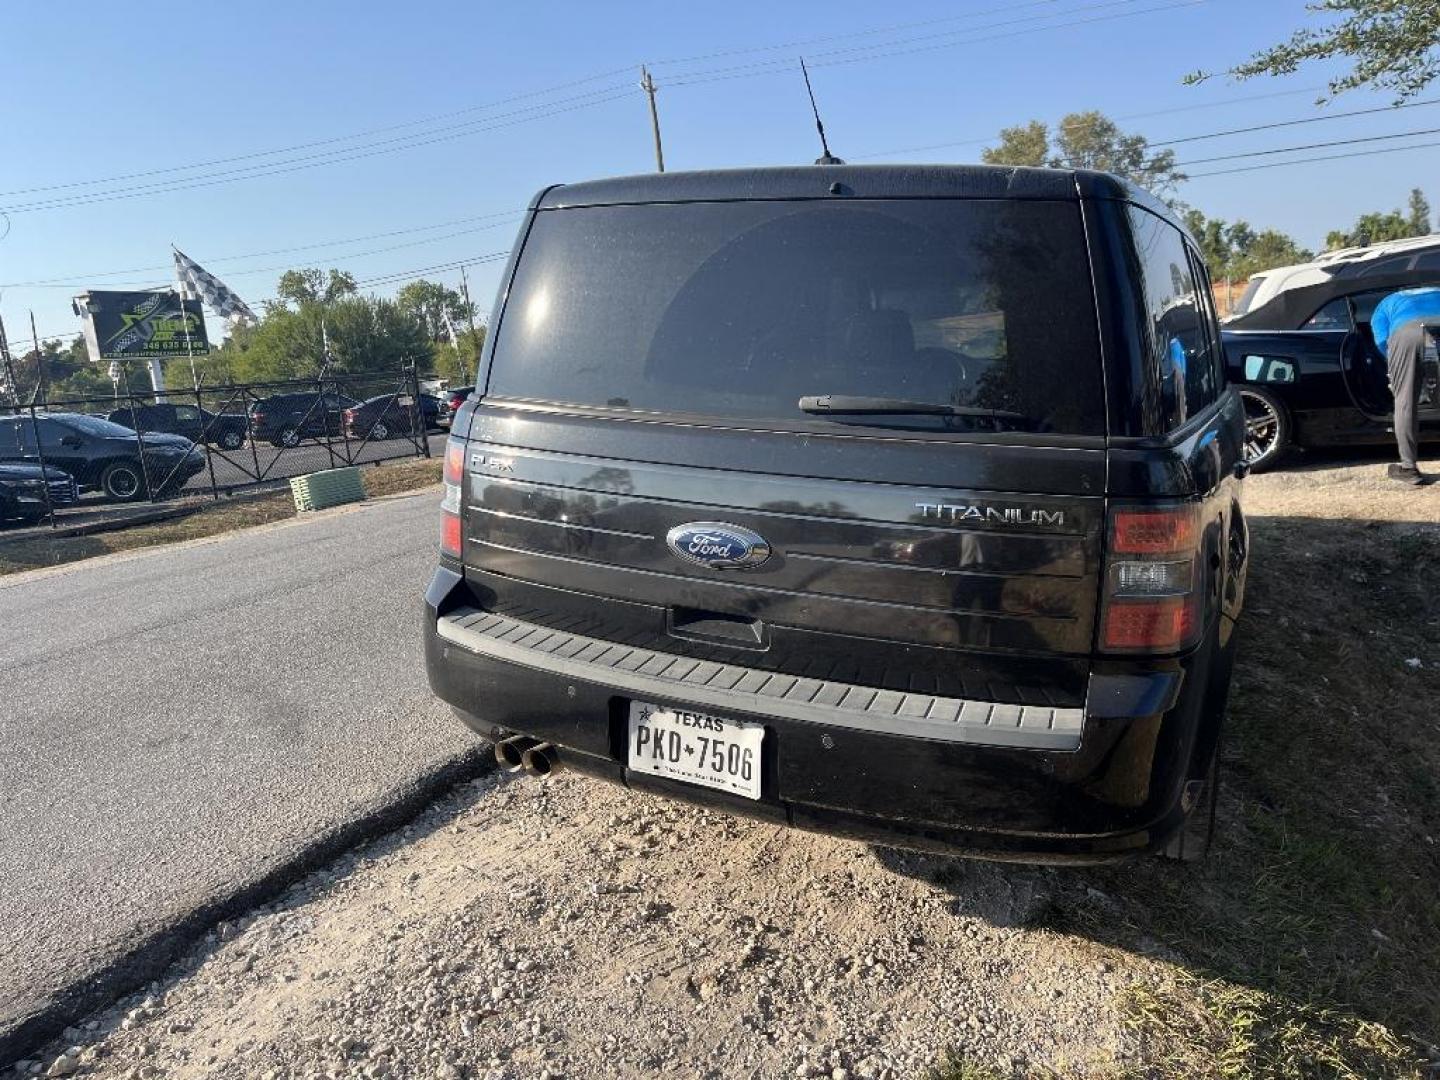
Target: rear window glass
[{"x": 740, "y": 309}]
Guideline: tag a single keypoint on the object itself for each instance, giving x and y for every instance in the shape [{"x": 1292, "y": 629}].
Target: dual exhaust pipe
[{"x": 521, "y": 752}]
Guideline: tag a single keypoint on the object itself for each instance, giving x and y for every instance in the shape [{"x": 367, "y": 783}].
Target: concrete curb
[{"x": 148, "y": 960}]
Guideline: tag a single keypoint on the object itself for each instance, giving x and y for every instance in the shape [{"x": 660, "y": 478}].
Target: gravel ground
[{"x": 566, "y": 927}]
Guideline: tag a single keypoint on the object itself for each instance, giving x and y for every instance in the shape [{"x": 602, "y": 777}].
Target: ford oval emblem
[{"x": 718, "y": 546}]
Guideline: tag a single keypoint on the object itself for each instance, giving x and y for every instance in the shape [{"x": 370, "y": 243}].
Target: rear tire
[
  {"x": 379, "y": 430},
  {"x": 289, "y": 438},
  {"x": 122, "y": 480},
  {"x": 231, "y": 440},
  {"x": 1268, "y": 433}
]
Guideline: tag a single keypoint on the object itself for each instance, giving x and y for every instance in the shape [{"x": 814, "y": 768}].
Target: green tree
[
  {"x": 457, "y": 362},
  {"x": 1027, "y": 144},
  {"x": 1087, "y": 140},
  {"x": 1373, "y": 228},
  {"x": 312, "y": 286},
  {"x": 1389, "y": 44},
  {"x": 366, "y": 334},
  {"x": 1235, "y": 250},
  {"x": 431, "y": 303},
  {"x": 1419, "y": 220}
]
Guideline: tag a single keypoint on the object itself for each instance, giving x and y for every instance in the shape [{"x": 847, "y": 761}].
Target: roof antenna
[{"x": 826, "y": 158}]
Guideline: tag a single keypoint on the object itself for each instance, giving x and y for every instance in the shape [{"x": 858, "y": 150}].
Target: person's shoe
[{"x": 1406, "y": 474}]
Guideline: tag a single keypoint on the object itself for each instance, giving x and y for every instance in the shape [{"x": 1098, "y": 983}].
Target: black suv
[
  {"x": 225, "y": 430},
  {"x": 289, "y": 419},
  {"x": 101, "y": 455},
  {"x": 901, "y": 503},
  {"x": 391, "y": 416},
  {"x": 23, "y": 494}
]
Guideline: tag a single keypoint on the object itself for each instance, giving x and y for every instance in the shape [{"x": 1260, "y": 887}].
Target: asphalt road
[{"x": 186, "y": 727}]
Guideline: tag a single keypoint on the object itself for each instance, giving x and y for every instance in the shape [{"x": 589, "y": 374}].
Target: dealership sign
[{"x": 141, "y": 325}]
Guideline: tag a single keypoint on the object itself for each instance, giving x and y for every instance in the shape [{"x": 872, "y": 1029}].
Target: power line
[
  {"x": 71, "y": 281},
  {"x": 770, "y": 67},
  {"x": 317, "y": 142},
  {"x": 1311, "y": 160},
  {"x": 354, "y": 154},
  {"x": 545, "y": 110},
  {"x": 1245, "y": 99},
  {"x": 1311, "y": 146},
  {"x": 800, "y": 43},
  {"x": 492, "y": 256},
  {"x": 1295, "y": 123},
  {"x": 611, "y": 73}
]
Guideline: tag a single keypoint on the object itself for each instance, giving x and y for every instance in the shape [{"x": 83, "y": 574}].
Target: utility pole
[
  {"x": 9, "y": 388},
  {"x": 42, "y": 376},
  {"x": 648, "y": 85},
  {"x": 470, "y": 313}
]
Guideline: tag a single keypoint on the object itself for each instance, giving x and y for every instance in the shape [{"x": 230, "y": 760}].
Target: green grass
[
  {"x": 1313, "y": 932},
  {"x": 1216, "y": 1029}
]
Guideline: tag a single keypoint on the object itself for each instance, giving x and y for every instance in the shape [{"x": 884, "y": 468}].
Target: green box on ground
[{"x": 332, "y": 487}]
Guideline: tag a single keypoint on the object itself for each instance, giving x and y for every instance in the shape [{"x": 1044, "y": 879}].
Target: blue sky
[{"x": 98, "y": 90}]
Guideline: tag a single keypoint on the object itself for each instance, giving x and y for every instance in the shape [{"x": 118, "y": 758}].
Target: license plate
[{"x": 711, "y": 751}]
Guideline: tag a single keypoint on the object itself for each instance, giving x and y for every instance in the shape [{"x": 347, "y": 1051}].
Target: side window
[
  {"x": 51, "y": 434},
  {"x": 1211, "y": 319},
  {"x": 1179, "y": 352},
  {"x": 187, "y": 412},
  {"x": 1365, "y": 303},
  {"x": 1269, "y": 369},
  {"x": 1333, "y": 316}
]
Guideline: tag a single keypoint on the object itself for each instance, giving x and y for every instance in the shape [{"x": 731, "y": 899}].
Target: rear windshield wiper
[{"x": 843, "y": 405}]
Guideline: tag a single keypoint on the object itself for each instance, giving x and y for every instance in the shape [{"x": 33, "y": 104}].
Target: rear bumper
[{"x": 1114, "y": 794}]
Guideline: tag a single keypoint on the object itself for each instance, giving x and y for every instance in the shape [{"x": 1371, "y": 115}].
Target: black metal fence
[{"x": 217, "y": 440}]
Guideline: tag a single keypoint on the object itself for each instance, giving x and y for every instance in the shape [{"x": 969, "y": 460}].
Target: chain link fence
[{"x": 211, "y": 441}]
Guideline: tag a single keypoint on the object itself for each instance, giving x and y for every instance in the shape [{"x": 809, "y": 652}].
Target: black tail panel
[{"x": 930, "y": 577}]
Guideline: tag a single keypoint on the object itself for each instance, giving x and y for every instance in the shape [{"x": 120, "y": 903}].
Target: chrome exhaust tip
[
  {"x": 540, "y": 759},
  {"x": 511, "y": 752}
]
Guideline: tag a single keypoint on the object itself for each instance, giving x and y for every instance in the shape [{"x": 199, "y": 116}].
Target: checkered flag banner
[{"x": 213, "y": 292}]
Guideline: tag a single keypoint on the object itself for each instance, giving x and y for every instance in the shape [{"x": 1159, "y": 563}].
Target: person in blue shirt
[{"x": 1398, "y": 325}]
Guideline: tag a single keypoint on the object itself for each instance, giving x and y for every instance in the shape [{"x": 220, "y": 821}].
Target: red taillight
[
  {"x": 451, "y": 530},
  {"x": 349, "y": 416},
  {"x": 1152, "y": 625},
  {"x": 454, "y": 461},
  {"x": 450, "y": 533},
  {"x": 1153, "y": 532},
  {"x": 1153, "y": 583}
]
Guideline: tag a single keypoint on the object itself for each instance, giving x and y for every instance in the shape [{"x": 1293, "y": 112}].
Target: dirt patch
[
  {"x": 1321, "y": 486},
  {"x": 565, "y": 927},
  {"x": 222, "y": 517}
]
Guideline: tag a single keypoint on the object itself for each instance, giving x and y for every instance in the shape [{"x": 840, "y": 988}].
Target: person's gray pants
[{"x": 1404, "y": 352}]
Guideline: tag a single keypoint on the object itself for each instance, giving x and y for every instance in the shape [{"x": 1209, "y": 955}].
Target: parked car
[
  {"x": 1308, "y": 369},
  {"x": 101, "y": 455},
  {"x": 289, "y": 419},
  {"x": 225, "y": 430},
  {"x": 23, "y": 492},
  {"x": 1416, "y": 256},
  {"x": 390, "y": 415},
  {"x": 454, "y": 398},
  {"x": 830, "y": 495}
]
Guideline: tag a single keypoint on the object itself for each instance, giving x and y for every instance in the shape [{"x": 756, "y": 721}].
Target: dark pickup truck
[{"x": 894, "y": 502}]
